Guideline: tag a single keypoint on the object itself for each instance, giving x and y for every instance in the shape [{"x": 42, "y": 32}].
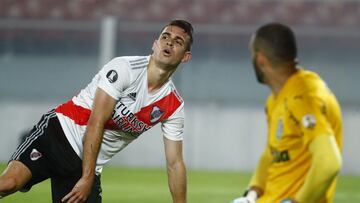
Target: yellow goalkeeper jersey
[{"x": 303, "y": 109}]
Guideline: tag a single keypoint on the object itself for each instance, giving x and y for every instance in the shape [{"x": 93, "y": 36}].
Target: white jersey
[{"x": 136, "y": 111}]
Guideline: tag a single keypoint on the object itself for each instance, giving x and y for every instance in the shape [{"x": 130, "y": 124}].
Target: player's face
[
  {"x": 170, "y": 48},
  {"x": 259, "y": 74}
]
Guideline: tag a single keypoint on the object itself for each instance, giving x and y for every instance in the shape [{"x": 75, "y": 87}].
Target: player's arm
[
  {"x": 326, "y": 163},
  {"x": 102, "y": 109},
  {"x": 258, "y": 181},
  {"x": 176, "y": 170}
]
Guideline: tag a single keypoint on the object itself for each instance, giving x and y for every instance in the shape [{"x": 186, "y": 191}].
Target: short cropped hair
[
  {"x": 186, "y": 26},
  {"x": 277, "y": 41}
]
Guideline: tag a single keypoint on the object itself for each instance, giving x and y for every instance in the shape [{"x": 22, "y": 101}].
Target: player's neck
[
  {"x": 281, "y": 76},
  {"x": 157, "y": 76}
]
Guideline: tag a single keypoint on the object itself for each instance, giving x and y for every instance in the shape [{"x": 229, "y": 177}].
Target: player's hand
[
  {"x": 249, "y": 197},
  {"x": 243, "y": 200},
  {"x": 80, "y": 191}
]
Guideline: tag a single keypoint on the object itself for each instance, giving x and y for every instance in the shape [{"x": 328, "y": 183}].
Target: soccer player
[
  {"x": 128, "y": 96},
  {"x": 302, "y": 156}
]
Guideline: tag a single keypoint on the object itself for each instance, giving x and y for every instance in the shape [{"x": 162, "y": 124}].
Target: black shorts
[{"x": 48, "y": 154}]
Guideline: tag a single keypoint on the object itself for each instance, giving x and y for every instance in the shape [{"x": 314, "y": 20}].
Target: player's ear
[
  {"x": 187, "y": 57},
  {"x": 262, "y": 60},
  {"x": 154, "y": 45}
]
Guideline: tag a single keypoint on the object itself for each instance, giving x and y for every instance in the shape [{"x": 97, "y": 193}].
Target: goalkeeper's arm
[
  {"x": 258, "y": 181},
  {"x": 326, "y": 163}
]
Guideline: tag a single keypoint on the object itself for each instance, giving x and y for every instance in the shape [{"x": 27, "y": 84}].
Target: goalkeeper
[{"x": 302, "y": 156}]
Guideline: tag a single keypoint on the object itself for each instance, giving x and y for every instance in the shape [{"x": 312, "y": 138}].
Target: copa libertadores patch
[
  {"x": 309, "y": 121},
  {"x": 112, "y": 76}
]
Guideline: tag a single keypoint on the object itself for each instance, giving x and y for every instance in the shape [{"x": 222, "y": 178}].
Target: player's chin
[
  {"x": 168, "y": 57},
  {"x": 169, "y": 61}
]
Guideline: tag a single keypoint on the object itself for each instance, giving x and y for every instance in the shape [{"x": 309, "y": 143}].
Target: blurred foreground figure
[
  {"x": 302, "y": 157},
  {"x": 129, "y": 95}
]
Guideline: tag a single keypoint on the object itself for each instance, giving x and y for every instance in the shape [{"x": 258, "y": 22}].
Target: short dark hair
[
  {"x": 277, "y": 41},
  {"x": 186, "y": 26}
]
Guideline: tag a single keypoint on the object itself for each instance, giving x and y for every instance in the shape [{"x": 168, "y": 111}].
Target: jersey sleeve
[
  {"x": 311, "y": 112},
  {"x": 173, "y": 127},
  {"x": 115, "y": 77}
]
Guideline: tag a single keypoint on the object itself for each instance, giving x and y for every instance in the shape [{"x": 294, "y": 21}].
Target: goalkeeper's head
[{"x": 275, "y": 43}]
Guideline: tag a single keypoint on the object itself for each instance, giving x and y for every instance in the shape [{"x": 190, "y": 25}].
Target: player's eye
[{"x": 179, "y": 42}]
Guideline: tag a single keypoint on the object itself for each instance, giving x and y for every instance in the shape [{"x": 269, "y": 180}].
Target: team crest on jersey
[
  {"x": 279, "y": 129},
  {"x": 35, "y": 155},
  {"x": 156, "y": 114},
  {"x": 112, "y": 76},
  {"x": 309, "y": 121}
]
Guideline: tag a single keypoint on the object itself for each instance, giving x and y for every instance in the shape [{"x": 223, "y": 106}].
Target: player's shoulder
[
  {"x": 133, "y": 66},
  {"x": 309, "y": 81},
  {"x": 174, "y": 91},
  {"x": 304, "y": 84},
  {"x": 307, "y": 87},
  {"x": 136, "y": 62},
  {"x": 131, "y": 62}
]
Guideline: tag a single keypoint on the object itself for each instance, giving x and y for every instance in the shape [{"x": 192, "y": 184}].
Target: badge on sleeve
[
  {"x": 309, "y": 121},
  {"x": 112, "y": 76}
]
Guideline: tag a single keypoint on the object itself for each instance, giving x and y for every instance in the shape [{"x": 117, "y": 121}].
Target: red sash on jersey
[{"x": 166, "y": 106}]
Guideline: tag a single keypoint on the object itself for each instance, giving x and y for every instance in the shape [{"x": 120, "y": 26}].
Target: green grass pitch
[{"x": 133, "y": 185}]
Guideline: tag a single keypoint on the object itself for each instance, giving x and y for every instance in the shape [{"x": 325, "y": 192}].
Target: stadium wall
[{"x": 217, "y": 137}]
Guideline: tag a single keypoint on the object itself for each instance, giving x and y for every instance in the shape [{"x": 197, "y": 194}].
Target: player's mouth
[{"x": 167, "y": 52}]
